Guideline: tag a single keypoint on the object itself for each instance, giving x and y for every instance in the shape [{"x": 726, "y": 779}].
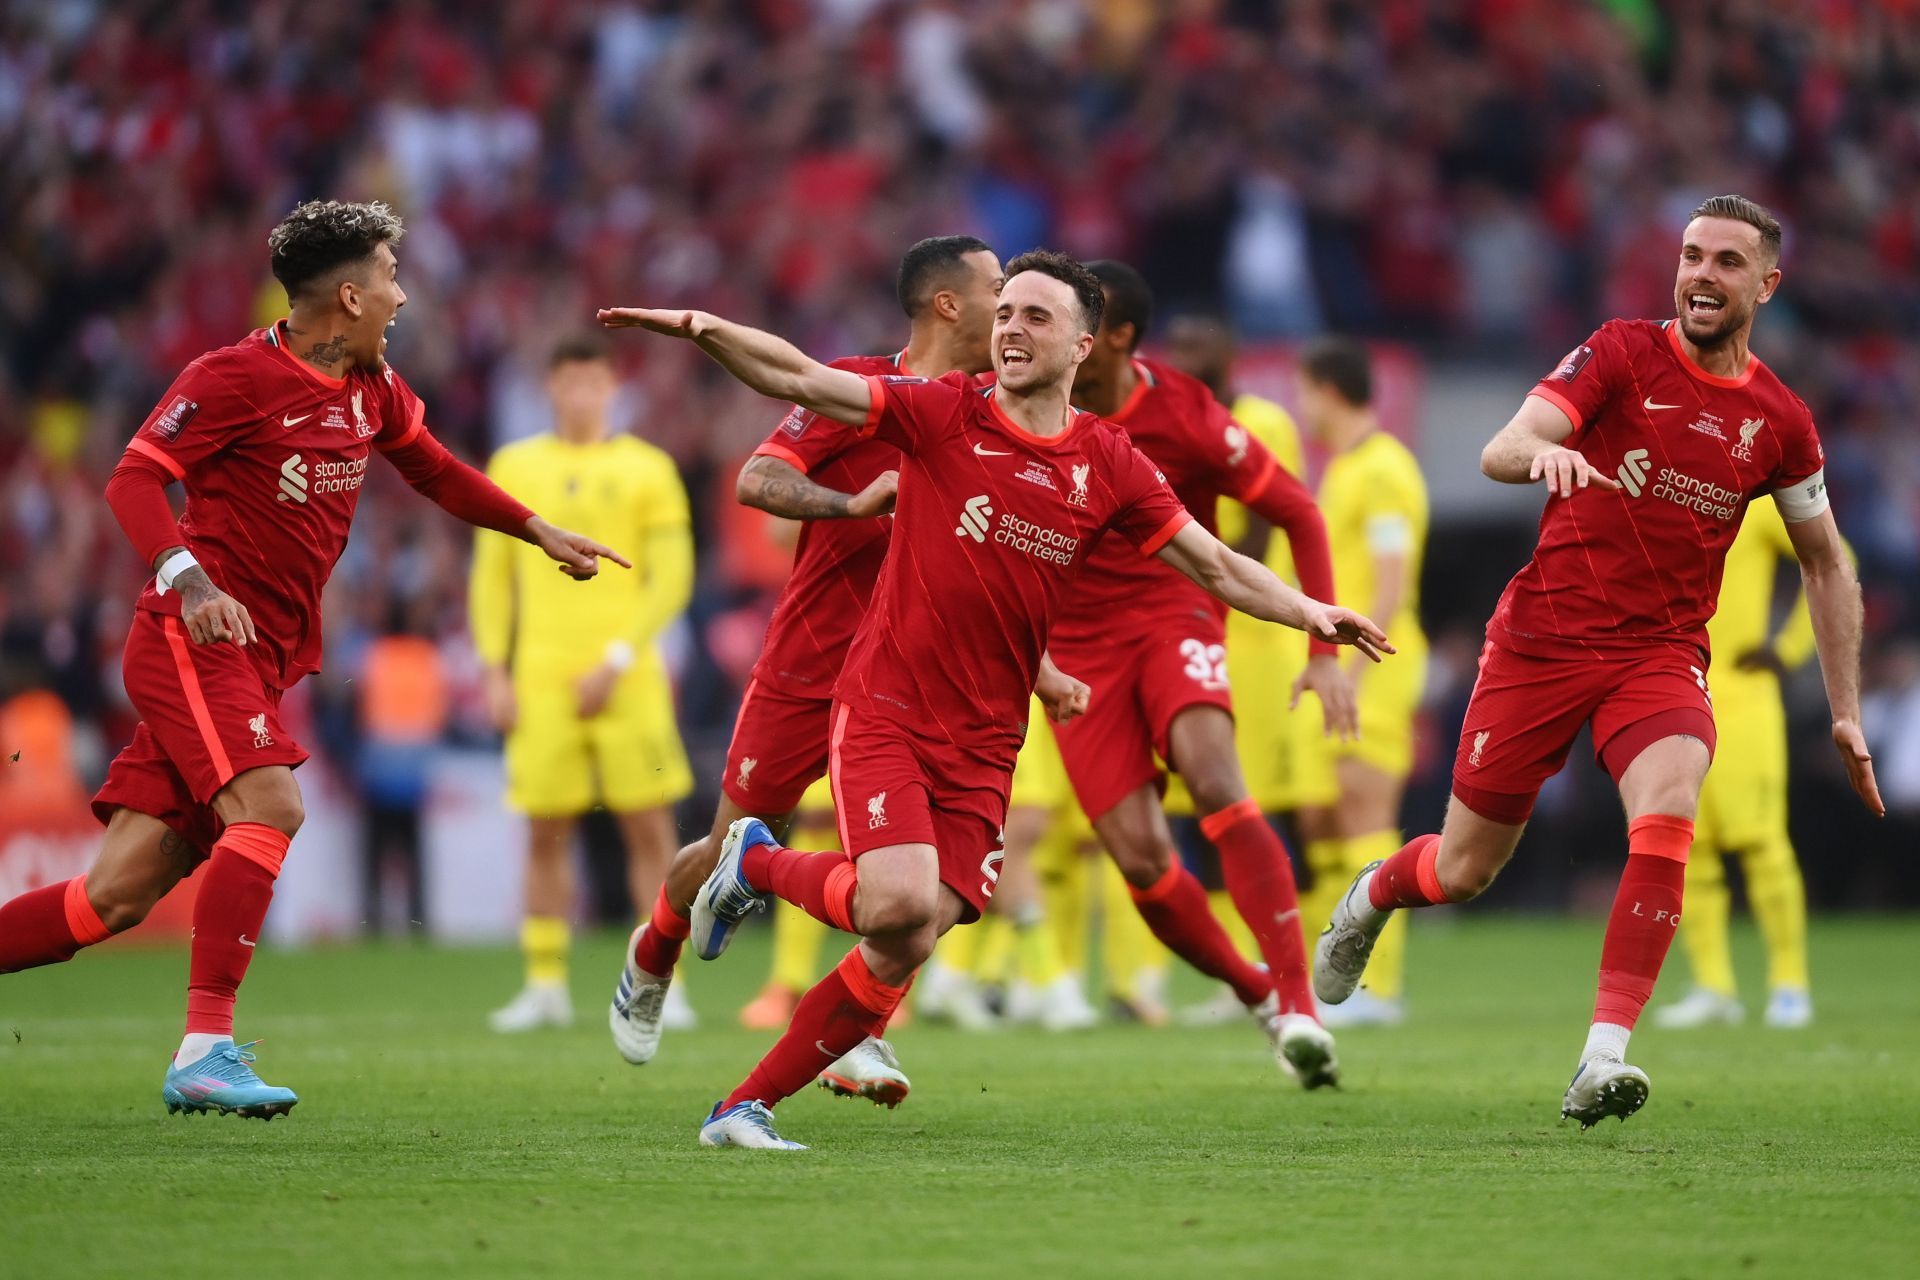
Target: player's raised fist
[
  {"x": 1063, "y": 696},
  {"x": 877, "y": 498},
  {"x": 678, "y": 324},
  {"x": 1336, "y": 625},
  {"x": 1565, "y": 470},
  {"x": 1847, "y": 736}
]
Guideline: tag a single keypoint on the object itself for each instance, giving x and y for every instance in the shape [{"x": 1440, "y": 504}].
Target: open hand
[
  {"x": 210, "y": 614},
  {"x": 676, "y": 324},
  {"x": 1338, "y": 701},
  {"x": 1336, "y": 625},
  {"x": 1564, "y": 470},
  {"x": 1852, "y": 743}
]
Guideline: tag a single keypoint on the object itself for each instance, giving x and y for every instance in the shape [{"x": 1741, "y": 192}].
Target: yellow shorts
[
  {"x": 1744, "y": 800},
  {"x": 628, "y": 757},
  {"x": 1389, "y": 701}
]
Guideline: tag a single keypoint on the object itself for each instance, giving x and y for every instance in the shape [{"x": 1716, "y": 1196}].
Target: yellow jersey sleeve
[
  {"x": 665, "y": 554},
  {"x": 1273, "y": 427},
  {"x": 490, "y": 593}
]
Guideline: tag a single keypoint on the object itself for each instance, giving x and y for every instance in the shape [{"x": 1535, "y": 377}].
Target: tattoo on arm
[{"x": 780, "y": 488}]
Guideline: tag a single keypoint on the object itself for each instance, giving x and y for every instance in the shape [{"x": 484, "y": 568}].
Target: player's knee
[
  {"x": 898, "y": 911},
  {"x": 1143, "y": 864},
  {"x": 1214, "y": 789},
  {"x": 270, "y": 798},
  {"x": 1467, "y": 875}
]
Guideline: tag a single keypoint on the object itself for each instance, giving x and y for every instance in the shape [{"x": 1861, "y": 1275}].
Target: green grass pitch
[{"x": 424, "y": 1142}]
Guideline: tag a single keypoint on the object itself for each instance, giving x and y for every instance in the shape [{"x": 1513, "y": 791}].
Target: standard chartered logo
[
  {"x": 973, "y": 519},
  {"x": 1633, "y": 471},
  {"x": 1677, "y": 487},
  {"x": 293, "y": 480}
]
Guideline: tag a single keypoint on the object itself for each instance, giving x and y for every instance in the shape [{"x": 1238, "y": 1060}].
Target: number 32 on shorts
[{"x": 1206, "y": 663}]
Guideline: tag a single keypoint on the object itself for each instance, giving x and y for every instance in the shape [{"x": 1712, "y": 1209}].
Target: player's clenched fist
[
  {"x": 1063, "y": 696},
  {"x": 1564, "y": 470},
  {"x": 877, "y": 498},
  {"x": 210, "y": 614}
]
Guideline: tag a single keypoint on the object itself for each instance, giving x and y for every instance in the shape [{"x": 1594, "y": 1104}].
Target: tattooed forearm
[{"x": 779, "y": 488}]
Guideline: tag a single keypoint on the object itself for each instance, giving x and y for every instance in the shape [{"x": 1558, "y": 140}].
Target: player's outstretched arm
[
  {"x": 1252, "y": 588},
  {"x": 1833, "y": 598},
  {"x": 779, "y": 488},
  {"x": 1532, "y": 446},
  {"x": 769, "y": 364}
]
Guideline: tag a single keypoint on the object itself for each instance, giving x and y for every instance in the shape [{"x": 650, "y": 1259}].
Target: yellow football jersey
[
  {"x": 1273, "y": 427},
  {"x": 622, "y": 492},
  {"x": 1375, "y": 503},
  {"x": 1743, "y": 620}
]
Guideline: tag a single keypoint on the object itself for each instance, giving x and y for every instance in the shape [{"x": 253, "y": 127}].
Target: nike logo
[
  {"x": 291, "y": 421},
  {"x": 245, "y": 941},
  {"x": 1649, "y": 404},
  {"x": 823, "y": 1048},
  {"x": 985, "y": 452}
]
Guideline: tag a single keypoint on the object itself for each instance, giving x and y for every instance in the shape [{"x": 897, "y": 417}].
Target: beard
[{"x": 1709, "y": 334}]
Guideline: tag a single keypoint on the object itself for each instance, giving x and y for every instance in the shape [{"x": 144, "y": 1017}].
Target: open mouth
[
  {"x": 1015, "y": 357},
  {"x": 1705, "y": 306}
]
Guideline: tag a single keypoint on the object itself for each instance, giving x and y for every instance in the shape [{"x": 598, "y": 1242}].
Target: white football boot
[
  {"x": 1604, "y": 1086},
  {"x": 635, "y": 1017},
  {"x": 869, "y": 1070},
  {"x": 1064, "y": 1006},
  {"x": 1304, "y": 1050},
  {"x": 1789, "y": 1008},
  {"x": 1700, "y": 1008},
  {"x": 1340, "y": 957},
  {"x": 744, "y": 1124},
  {"x": 538, "y": 1005}
]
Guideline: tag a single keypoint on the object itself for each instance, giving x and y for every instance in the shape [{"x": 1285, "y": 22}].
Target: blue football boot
[
  {"x": 726, "y": 898},
  {"x": 224, "y": 1082}
]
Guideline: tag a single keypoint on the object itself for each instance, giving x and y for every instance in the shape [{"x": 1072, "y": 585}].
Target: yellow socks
[
  {"x": 1036, "y": 950},
  {"x": 544, "y": 941},
  {"x": 1327, "y": 863},
  {"x": 1779, "y": 900},
  {"x": 1703, "y": 920}
]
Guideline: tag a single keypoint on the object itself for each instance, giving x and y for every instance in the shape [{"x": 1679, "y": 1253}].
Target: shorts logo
[
  {"x": 258, "y": 728},
  {"x": 1479, "y": 745},
  {"x": 990, "y": 865},
  {"x": 293, "y": 480},
  {"x": 1749, "y": 428},
  {"x": 171, "y": 423},
  {"x": 1080, "y": 472},
  {"x": 973, "y": 520},
  {"x": 876, "y": 811},
  {"x": 1633, "y": 471},
  {"x": 746, "y": 768}
]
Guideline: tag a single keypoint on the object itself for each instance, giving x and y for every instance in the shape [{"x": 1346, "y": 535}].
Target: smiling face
[
  {"x": 1039, "y": 333},
  {"x": 1723, "y": 279},
  {"x": 975, "y": 295},
  {"x": 378, "y": 297}
]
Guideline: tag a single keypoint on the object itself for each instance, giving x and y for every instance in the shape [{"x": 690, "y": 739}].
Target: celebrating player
[
  {"x": 573, "y": 676},
  {"x": 1003, "y": 491},
  {"x": 1152, "y": 646},
  {"x": 840, "y": 485},
  {"x": 1743, "y": 803},
  {"x": 1375, "y": 502},
  {"x": 1677, "y": 424},
  {"x": 270, "y": 438}
]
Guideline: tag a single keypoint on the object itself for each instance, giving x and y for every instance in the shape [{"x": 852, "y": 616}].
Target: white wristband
[
  {"x": 620, "y": 655},
  {"x": 176, "y": 564}
]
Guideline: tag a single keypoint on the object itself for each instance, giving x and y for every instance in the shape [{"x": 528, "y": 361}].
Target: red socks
[
  {"x": 234, "y": 892},
  {"x": 48, "y": 925},
  {"x": 1646, "y": 915},
  {"x": 657, "y": 949},
  {"x": 820, "y": 884},
  {"x": 1408, "y": 878},
  {"x": 1175, "y": 909},
  {"x": 841, "y": 1010},
  {"x": 1259, "y": 876}
]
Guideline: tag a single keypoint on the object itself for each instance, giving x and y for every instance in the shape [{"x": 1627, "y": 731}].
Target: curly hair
[
  {"x": 321, "y": 236},
  {"x": 1071, "y": 272}
]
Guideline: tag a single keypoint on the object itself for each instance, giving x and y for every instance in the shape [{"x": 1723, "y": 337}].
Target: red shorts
[
  {"x": 1139, "y": 685},
  {"x": 893, "y": 787},
  {"x": 206, "y": 716},
  {"x": 779, "y": 749},
  {"x": 1526, "y": 712}
]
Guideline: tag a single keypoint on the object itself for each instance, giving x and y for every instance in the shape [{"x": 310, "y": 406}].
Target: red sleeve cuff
[
  {"x": 155, "y": 453},
  {"x": 1165, "y": 533},
  {"x": 786, "y": 455},
  {"x": 1316, "y": 647},
  {"x": 877, "y": 407},
  {"x": 1561, "y": 403}
]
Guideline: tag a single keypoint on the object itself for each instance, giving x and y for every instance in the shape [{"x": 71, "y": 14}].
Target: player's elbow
[
  {"x": 1490, "y": 460},
  {"x": 749, "y": 487}
]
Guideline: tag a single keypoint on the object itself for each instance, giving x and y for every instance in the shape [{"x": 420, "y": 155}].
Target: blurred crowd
[{"x": 1481, "y": 179}]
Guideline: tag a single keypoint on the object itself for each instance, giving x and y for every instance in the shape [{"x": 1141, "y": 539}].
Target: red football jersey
[
  {"x": 837, "y": 561},
  {"x": 272, "y": 453},
  {"x": 1174, "y": 420},
  {"x": 1617, "y": 569},
  {"x": 992, "y": 527}
]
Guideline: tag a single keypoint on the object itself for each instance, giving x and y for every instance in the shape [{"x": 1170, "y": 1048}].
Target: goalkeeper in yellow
[
  {"x": 1375, "y": 503},
  {"x": 572, "y": 675},
  {"x": 1743, "y": 806}
]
